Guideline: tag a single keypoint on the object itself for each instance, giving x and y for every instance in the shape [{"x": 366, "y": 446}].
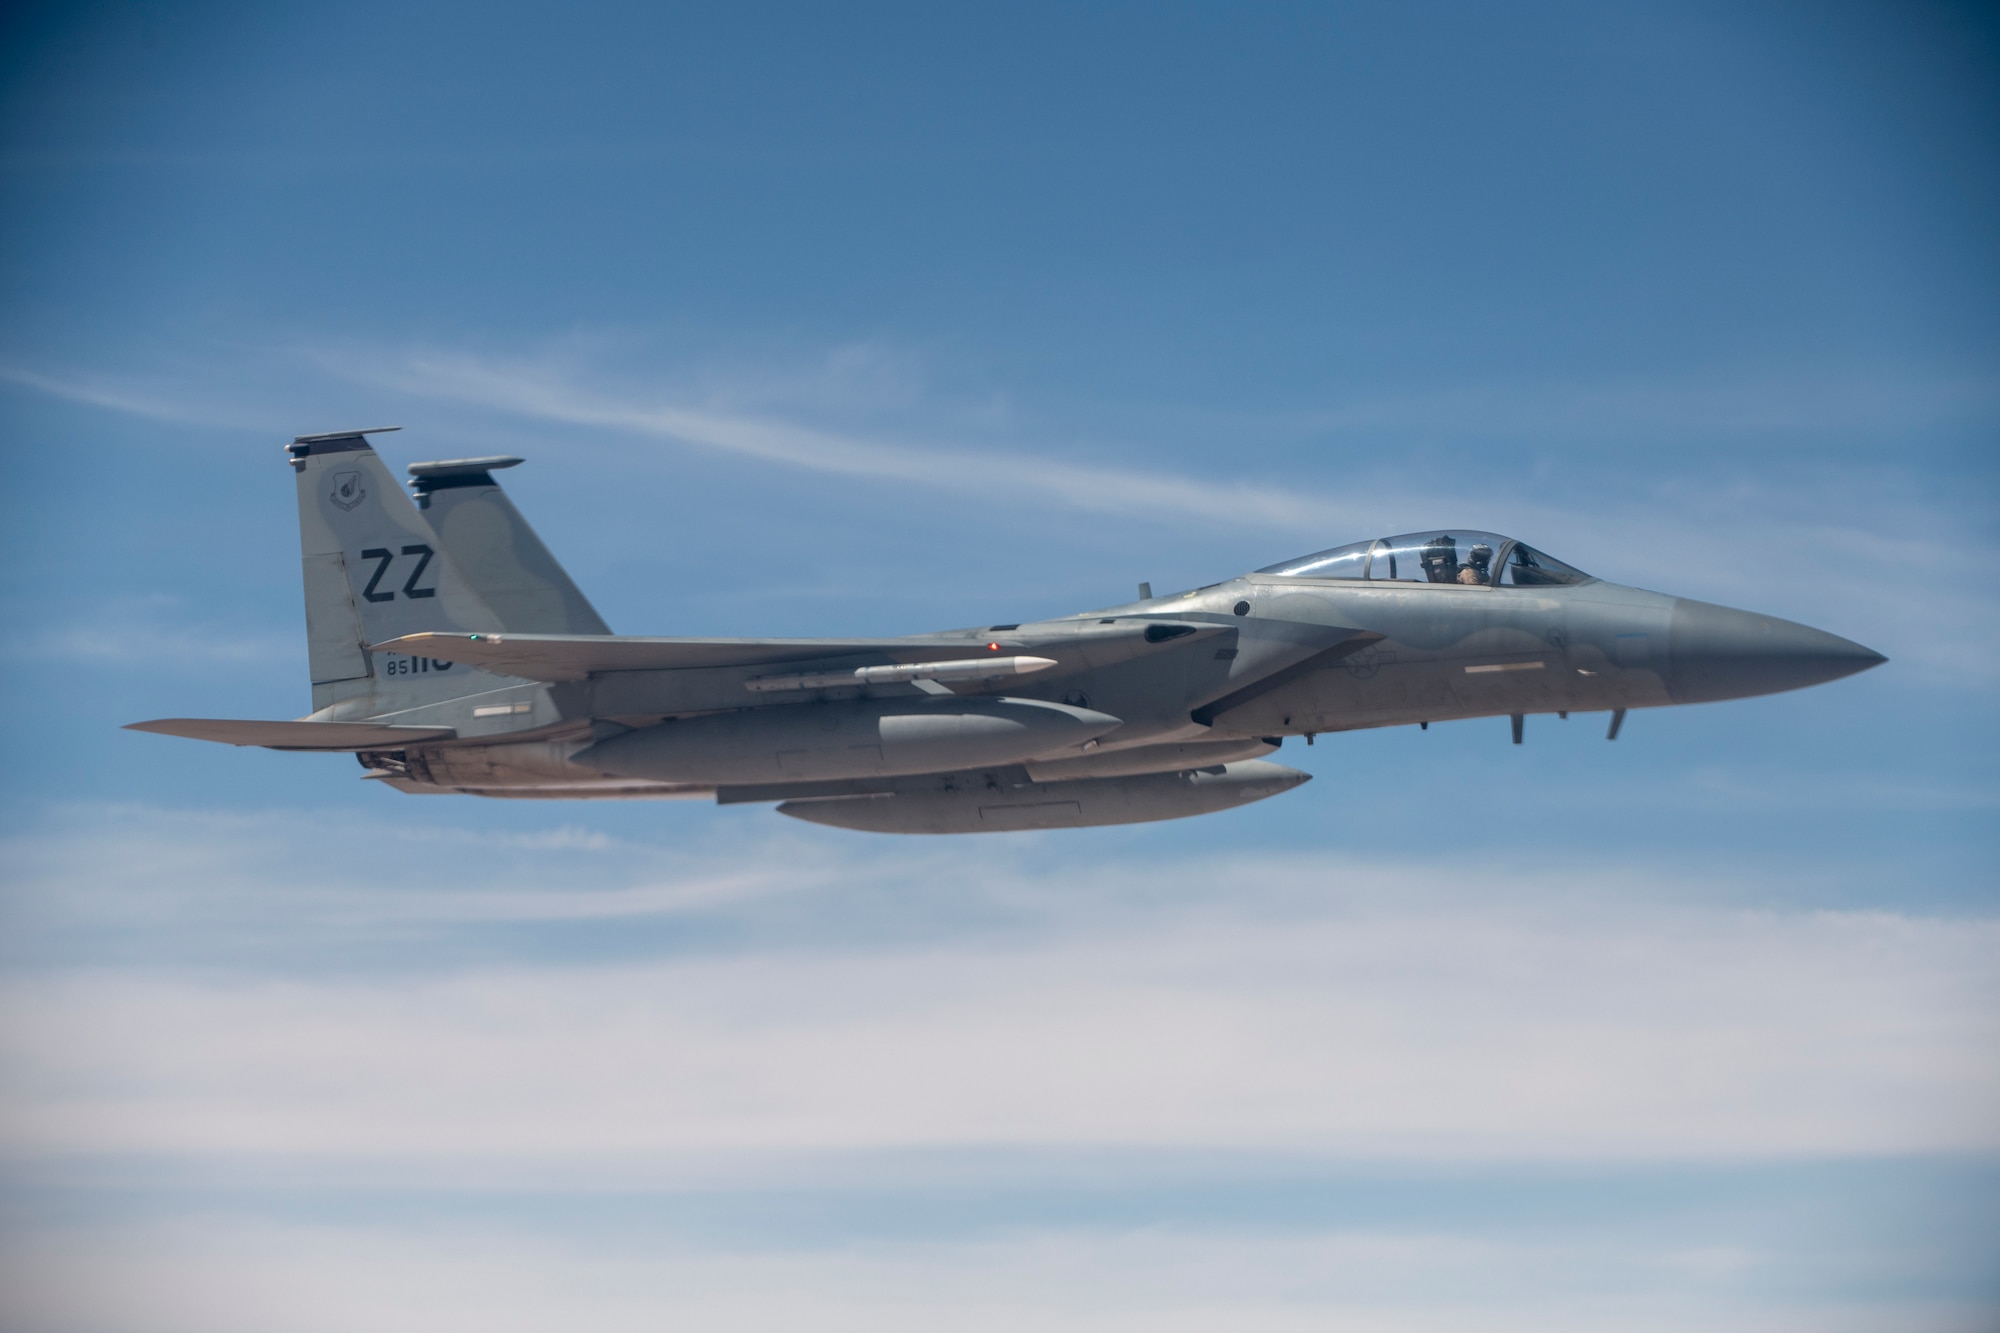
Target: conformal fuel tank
[
  {"x": 862, "y": 739},
  {"x": 960, "y": 803}
]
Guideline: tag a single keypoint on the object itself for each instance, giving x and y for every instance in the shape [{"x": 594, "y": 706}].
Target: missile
[{"x": 977, "y": 668}]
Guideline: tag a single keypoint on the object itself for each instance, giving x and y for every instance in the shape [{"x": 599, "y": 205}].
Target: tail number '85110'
[{"x": 411, "y": 666}]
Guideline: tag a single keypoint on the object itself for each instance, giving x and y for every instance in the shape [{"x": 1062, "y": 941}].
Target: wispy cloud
[
  {"x": 102, "y": 392},
  {"x": 539, "y": 391},
  {"x": 151, "y": 630},
  {"x": 128, "y": 645}
]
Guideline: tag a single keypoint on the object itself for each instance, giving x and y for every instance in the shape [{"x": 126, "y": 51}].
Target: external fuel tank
[{"x": 957, "y": 804}]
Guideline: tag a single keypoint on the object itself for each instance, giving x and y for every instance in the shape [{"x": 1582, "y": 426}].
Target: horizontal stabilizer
[
  {"x": 293, "y": 735},
  {"x": 554, "y": 657}
]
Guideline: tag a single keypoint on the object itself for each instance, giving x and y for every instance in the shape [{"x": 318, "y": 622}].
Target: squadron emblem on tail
[{"x": 347, "y": 490}]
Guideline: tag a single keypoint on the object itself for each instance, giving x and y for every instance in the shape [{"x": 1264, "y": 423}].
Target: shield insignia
[{"x": 347, "y": 490}]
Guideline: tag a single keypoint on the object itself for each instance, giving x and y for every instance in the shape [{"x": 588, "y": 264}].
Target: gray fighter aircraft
[{"x": 451, "y": 653}]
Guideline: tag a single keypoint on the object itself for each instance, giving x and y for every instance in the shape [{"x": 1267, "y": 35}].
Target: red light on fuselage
[{"x": 993, "y": 647}]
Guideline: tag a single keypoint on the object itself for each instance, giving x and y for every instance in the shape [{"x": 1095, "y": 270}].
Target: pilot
[
  {"x": 1478, "y": 567},
  {"x": 1440, "y": 560}
]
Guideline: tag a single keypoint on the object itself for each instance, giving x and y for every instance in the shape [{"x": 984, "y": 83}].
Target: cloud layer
[
  {"x": 1216, "y": 1003},
  {"x": 521, "y": 1080},
  {"x": 203, "y": 1275}
]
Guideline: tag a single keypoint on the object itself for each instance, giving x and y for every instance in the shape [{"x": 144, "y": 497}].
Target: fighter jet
[{"x": 451, "y": 653}]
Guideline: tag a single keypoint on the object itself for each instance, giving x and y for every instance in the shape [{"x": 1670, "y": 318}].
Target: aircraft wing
[
  {"x": 293, "y": 735},
  {"x": 557, "y": 657}
]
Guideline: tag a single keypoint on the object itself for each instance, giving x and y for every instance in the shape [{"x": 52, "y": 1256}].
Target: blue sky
[{"x": 891, "y": 318}]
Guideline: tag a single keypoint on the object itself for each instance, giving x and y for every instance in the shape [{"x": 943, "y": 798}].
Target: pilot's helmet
[{"x": 1480, "y": 557}]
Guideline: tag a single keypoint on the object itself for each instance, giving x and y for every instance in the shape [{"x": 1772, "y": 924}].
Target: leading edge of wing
[
  {"x": 292, "y": 735},
  {"x": 562, "y": 657}
]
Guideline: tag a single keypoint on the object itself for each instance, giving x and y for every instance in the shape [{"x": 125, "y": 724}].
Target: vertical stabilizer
[
  {"x": 373, "y": 571},
  {"x": 497, "y": 552}
]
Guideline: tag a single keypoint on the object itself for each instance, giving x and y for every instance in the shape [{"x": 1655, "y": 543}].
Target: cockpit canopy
[{"x": 1469, "y": 559}]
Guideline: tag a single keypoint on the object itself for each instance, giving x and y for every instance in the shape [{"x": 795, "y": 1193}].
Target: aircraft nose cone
[{"x": 1718, "y": 652}]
